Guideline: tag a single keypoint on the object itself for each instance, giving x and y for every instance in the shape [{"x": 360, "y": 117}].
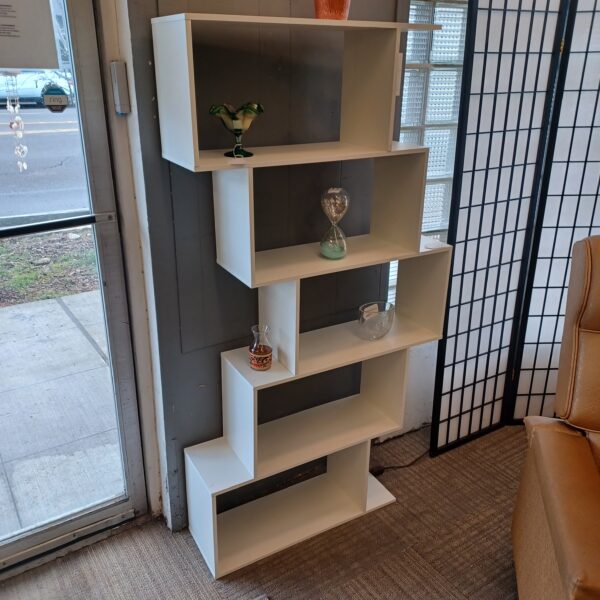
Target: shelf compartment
[
  {"x": 396, "y": 215},
  {"x": 420, "y": 300},
  {"x": 312, "y": 433},
  {"x": 339, "y": 345},
  {"x": 251, "y": 452},
  {"x": 247, "y": 533},
  {"x": 275, "y": 522},
  {"x": 320, "y": 354},
  {"x": 420, "y": 297},
  {"x": 228, "y": 462},
  {"x": 371, "y": 81},
  {"x": 322, "y": 430},
  {"x": 319, "y": 431}
]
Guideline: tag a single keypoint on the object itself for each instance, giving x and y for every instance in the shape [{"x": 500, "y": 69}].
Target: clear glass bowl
[{"x": 375, "y": 319}]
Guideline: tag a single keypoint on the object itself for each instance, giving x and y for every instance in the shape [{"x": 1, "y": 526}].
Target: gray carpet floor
[{"x": 447, "y": 537}]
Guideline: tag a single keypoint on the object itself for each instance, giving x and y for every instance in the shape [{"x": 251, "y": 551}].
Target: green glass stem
[{"x": 238, "y": 151}]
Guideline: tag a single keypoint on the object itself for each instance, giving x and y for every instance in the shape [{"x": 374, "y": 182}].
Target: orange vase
[{"x": 332, "y": 9}]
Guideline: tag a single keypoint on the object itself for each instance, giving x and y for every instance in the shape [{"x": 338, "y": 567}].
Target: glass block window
[
  {"x": 413, "y": 99},
  {"x": 443, "y": 96},
  {"x": 449, "y": 43},
  {"x": 442, "y": 143},
  {"x": 430, "y": 103},
  {"x": 431, "y": 98},
  {"x": 410, "y": 137},
  {"x": 436, "y": 198},
  {"x": 419, "y": 42}
]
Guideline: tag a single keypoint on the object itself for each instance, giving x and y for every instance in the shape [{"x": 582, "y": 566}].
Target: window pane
[
  {"x": 431, "y": 98},
  {"x": 51, "y": 180},
  {"x": 417, "y": 43},
  {"x": 411, "y": 136},
  {"x": 443, "y": 96},
  {"x": 441, "y": 144},
  {"x": 59, "y": 430},
  {"x": 448, "y": 44},
  {"x": 413, "y": 99},
  {"x": 60, "y": 404},
  {"x": 437, "y": 205}
]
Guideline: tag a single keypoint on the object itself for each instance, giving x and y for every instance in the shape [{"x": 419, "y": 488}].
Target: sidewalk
[{"x": 59, "y": 447}]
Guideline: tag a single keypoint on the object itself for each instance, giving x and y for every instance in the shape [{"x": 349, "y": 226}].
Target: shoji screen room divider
[{"x": 526, "y": 187}]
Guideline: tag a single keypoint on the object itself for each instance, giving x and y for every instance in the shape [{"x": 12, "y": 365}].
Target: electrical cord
[
  {"x": 397, "y": 437},
  {"x": 377, "y": 470}
]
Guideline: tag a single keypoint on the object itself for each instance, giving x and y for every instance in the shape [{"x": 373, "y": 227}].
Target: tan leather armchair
[{"x": 556, "y": 523}]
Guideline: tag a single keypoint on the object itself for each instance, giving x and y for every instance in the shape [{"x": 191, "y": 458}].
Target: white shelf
[
  {"x": 198, "y": 19},
  {"x": 217, "y": 465},
  {"x": 371, "y": 81},
  {"x": 319, "y": 431},
  {"x": 340, "y": 430},
  {"x": 296, "y": 154},
  {"x": 377, "y": 495},
  {"x": 300, "y": 262},
  {"x": 396, "y": 215},
  {"x": 258, "y": 380},
  {"x": 260, "y": 528},
  {"x": 303, "y": 261},
  {"x": 339, "y": 345},
  {"x": 378, "y": 409},
  {"x": 291, "y": 441},
  {"x": 419, "y": 304},
  {"x": 329, "y": 348}
]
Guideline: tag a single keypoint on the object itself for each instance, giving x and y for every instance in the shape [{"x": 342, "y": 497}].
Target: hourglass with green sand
[
  {"x": 238, "y": 122},
  {"x": 334, "y": 203}
]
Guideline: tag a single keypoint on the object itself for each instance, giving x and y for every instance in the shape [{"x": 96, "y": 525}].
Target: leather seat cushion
[{"x": 570, "y": 487}]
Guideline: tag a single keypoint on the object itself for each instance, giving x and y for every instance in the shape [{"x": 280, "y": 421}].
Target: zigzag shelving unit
[{"x": 341, "y": 430}]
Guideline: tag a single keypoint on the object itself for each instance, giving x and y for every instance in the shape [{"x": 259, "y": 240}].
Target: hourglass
[{"x": 334, "y": 203}]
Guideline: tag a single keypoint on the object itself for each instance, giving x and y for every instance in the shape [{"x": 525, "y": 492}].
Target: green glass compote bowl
[{"x": 238, "y": 122}]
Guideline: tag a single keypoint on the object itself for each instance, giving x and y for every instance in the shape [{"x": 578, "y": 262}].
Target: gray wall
[{"x": 201, "y": 309}]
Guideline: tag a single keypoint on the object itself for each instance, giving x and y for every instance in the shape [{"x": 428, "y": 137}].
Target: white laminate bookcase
[{"x": 340, "y": 430}]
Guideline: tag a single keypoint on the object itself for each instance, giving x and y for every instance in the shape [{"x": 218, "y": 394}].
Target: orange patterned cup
[{"x": 332, "y": 9}]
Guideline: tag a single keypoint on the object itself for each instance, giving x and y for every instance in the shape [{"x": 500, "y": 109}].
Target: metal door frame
[{"x": 103, "y": 218}]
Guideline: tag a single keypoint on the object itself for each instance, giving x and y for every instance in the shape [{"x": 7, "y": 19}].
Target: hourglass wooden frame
[{"x": 341, "y": 430}]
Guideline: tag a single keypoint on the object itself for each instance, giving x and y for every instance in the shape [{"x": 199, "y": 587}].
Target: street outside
[
  {"x": 55, "y": 178},
  {"x": 53, "y": 264}
]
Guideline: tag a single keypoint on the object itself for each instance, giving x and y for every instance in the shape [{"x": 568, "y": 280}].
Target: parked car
[{"x": 31, "y": 83}]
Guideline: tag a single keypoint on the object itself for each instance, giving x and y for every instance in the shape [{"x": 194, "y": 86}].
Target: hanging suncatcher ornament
[{"x": 15, "y": 121}]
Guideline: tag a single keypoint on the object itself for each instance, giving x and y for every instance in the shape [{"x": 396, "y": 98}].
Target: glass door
[{"x": 70, "y": 453}]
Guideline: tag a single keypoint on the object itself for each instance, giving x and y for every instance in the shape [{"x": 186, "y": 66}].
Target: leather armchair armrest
[{"x": 534, "y": 422}]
